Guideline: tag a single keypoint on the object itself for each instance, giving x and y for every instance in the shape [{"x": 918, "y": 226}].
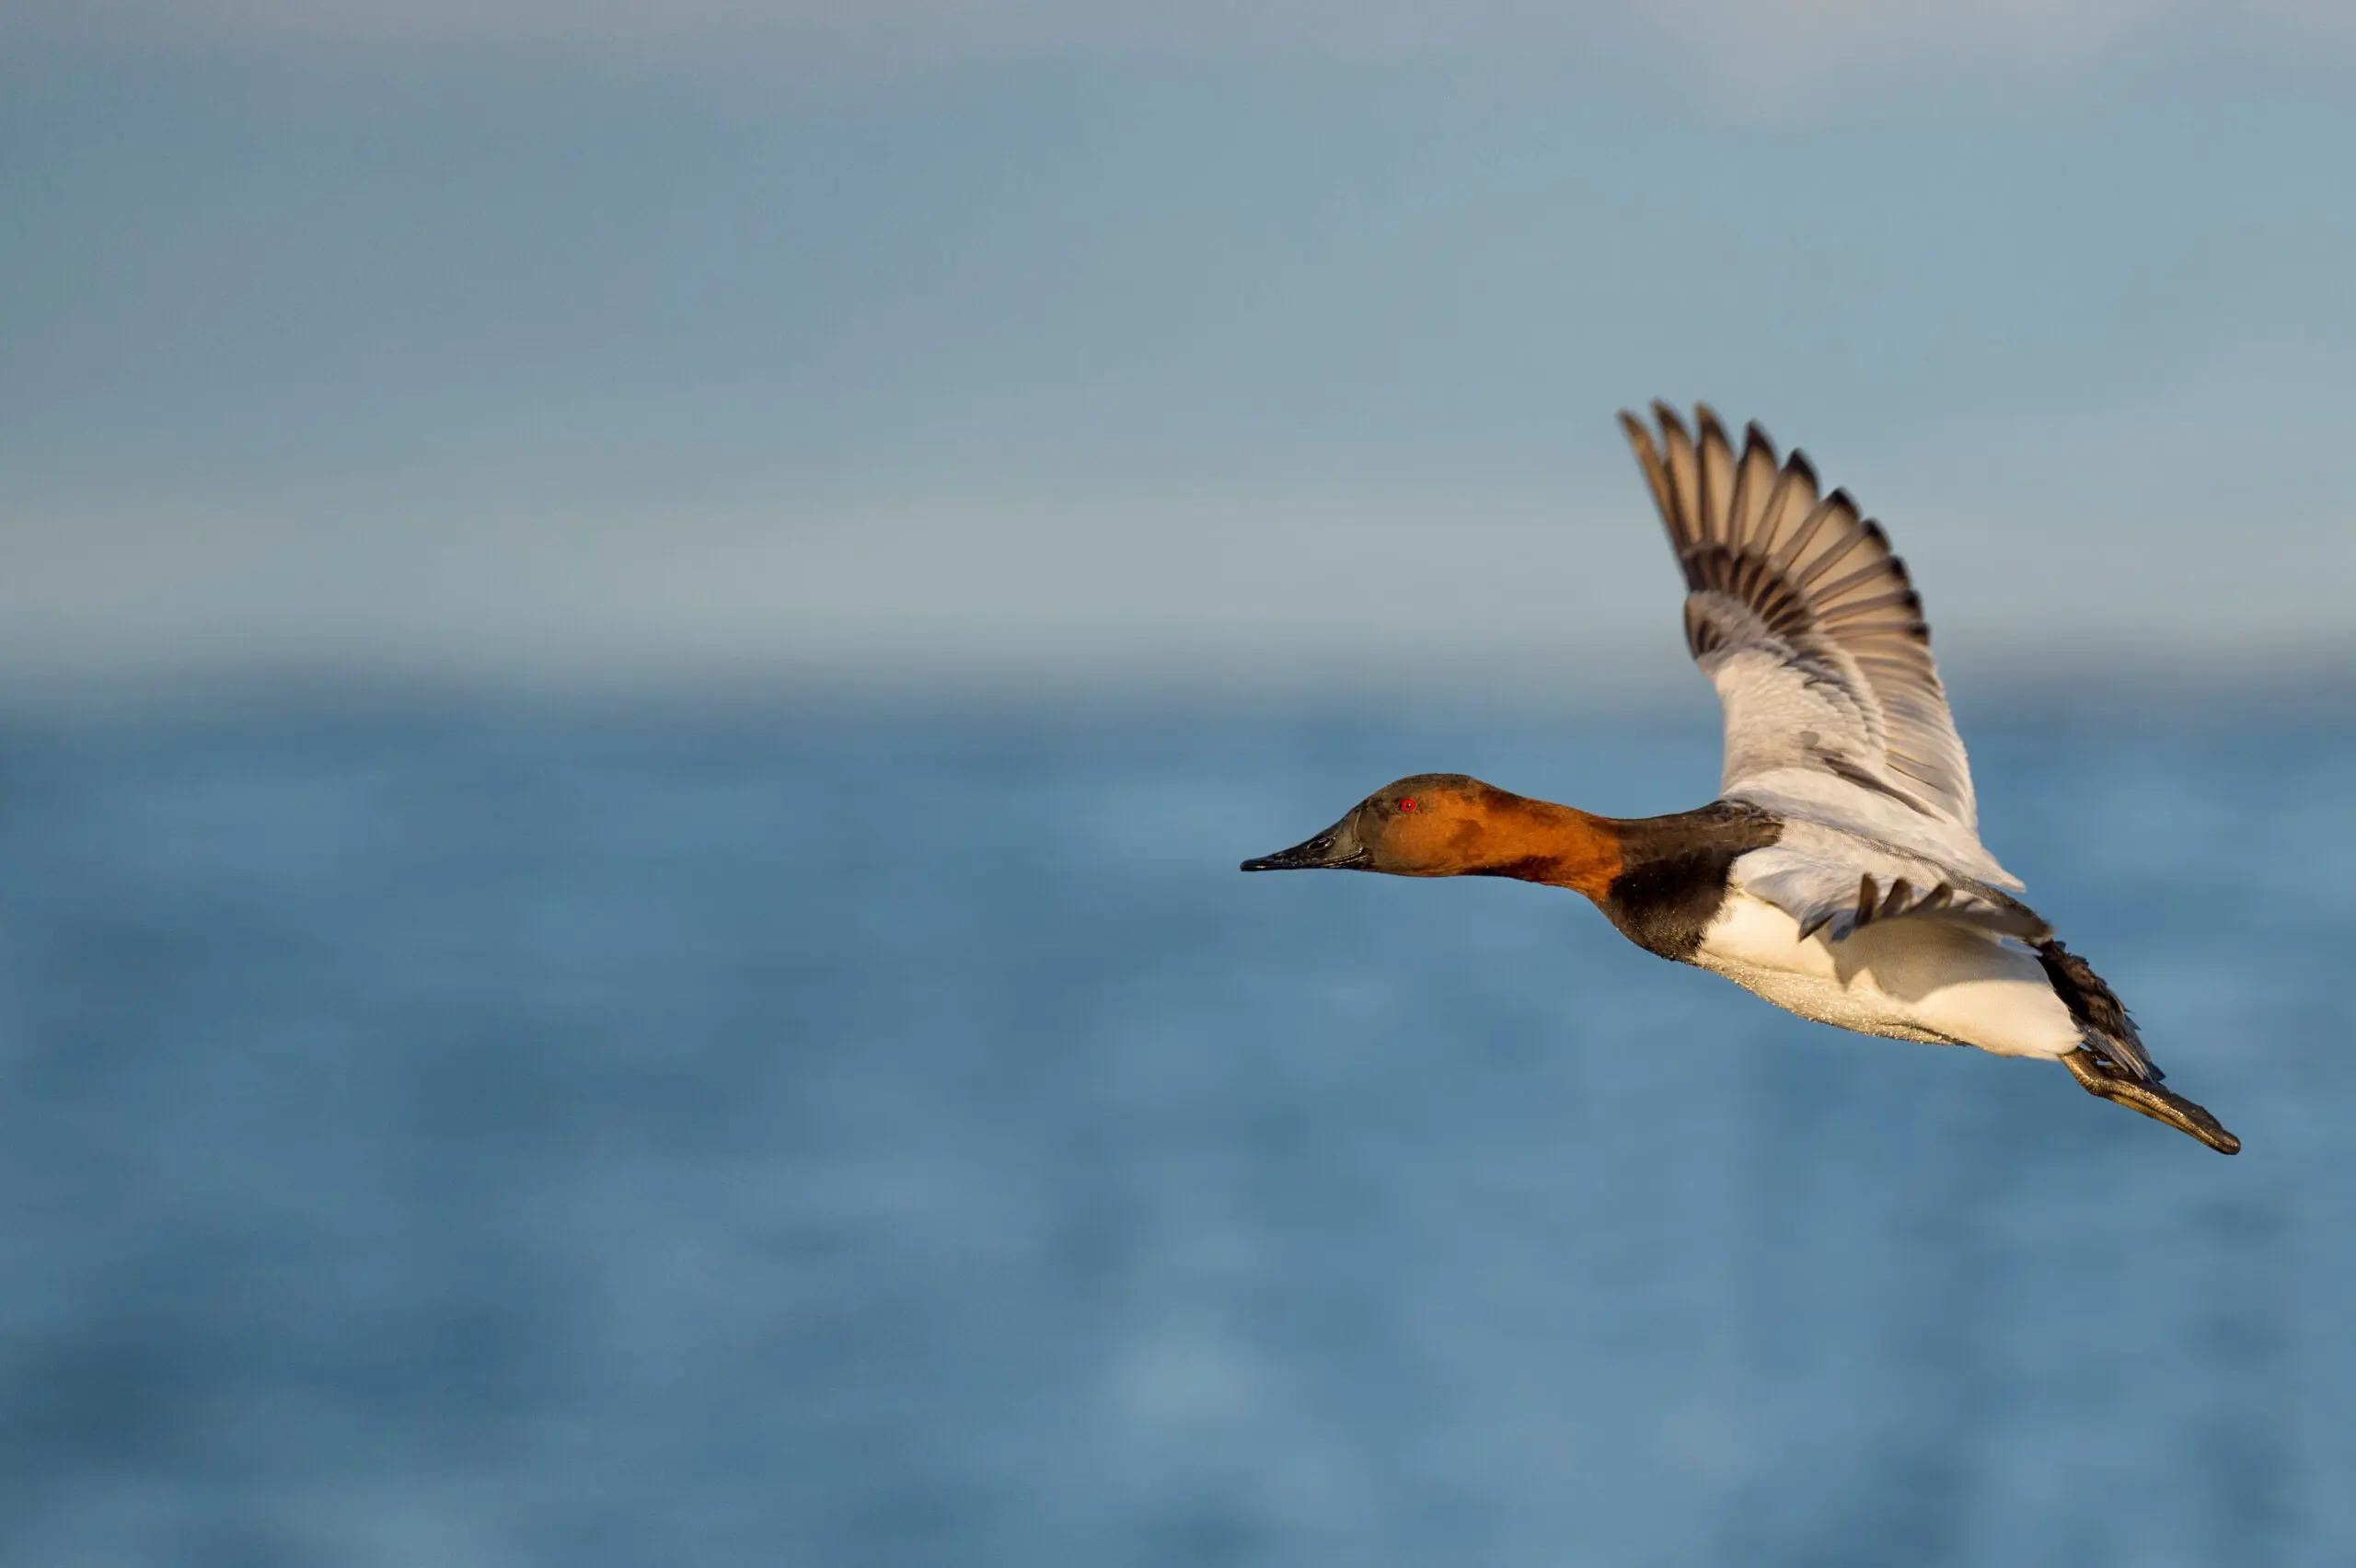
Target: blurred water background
[
  {"x": 638, "y": 643},
  {"x": 780, "y": 1134}
]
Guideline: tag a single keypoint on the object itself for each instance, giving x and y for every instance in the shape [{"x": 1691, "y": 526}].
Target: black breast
[{"x": 1673, "y": 873}]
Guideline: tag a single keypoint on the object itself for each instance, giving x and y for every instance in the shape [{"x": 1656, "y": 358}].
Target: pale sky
[{"x": 602, "y": 343}]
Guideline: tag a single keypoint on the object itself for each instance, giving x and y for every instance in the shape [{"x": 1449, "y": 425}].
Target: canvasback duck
[{"x": 1839, "y": 873}]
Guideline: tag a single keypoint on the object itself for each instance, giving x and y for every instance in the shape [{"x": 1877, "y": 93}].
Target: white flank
[{"x": 1911, "y": 978}]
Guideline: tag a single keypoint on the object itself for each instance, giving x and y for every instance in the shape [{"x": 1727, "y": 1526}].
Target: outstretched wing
[{"x": 1804, "y": 621}]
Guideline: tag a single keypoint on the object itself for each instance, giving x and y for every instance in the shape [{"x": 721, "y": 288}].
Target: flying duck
[{"x": 1839, "y": 873}]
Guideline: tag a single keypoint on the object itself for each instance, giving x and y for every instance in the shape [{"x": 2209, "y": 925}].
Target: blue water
[{"x": 768, "y": 1139}]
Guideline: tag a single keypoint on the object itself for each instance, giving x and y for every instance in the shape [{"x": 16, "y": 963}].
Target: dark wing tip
[
  {"x": 1668, "y": 418},
  {"x": 1797, "y": 463},
  {"x": 1897, "y": 568},
  {"x": 1757, "y": 440}
]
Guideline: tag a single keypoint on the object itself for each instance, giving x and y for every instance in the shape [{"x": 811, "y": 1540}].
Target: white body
[{"x": 1944, "y": 982}]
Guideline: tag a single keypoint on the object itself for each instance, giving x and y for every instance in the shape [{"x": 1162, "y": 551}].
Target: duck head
[{"x": 1446, "y": 824}]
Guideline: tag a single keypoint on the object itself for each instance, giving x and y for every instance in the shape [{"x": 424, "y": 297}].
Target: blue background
[
  {"x": 773, "y": 1135},
  {"x": 636, "y": 644}
]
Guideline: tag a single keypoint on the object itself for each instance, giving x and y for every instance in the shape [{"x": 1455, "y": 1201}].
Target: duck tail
[
  {"x": 2112, "y": 1062},
  {"x": 2147, "y": 1098},
  {"x": 2102, "y": 1018}
]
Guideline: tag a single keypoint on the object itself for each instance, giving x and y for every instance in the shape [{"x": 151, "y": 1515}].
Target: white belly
[{"x": 1909, "y": 979}]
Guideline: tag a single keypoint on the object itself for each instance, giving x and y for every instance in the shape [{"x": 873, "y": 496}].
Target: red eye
[{"x": 1408, "y": 805}]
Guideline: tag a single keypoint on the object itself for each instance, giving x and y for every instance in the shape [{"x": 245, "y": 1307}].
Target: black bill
[{"x": 1336, "y": 848}]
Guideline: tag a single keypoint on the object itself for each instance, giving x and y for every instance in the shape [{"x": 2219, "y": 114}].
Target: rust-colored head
[{"x": 1445, "y": 824}]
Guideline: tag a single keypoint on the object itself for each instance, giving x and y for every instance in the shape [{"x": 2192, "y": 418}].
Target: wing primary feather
[
  {"x": 1829, "y": 591},
  {"x": 1656, "y": 476},
  {"x": 1831, "y": 506},
  {"x": 1896, "y": 598},
  {"x": 1716, "y": 462},
  {"x": 1790, "y": 502},
  {"x": 1755, "y": 478},
  {"x": 1839, "y": 549},
  {"x": 1684, "y": 479},
  {"x": 1739, "y": 500}
]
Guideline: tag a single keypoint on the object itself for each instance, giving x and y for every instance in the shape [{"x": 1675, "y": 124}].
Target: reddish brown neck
[{"x": 1541, "y": 842}]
